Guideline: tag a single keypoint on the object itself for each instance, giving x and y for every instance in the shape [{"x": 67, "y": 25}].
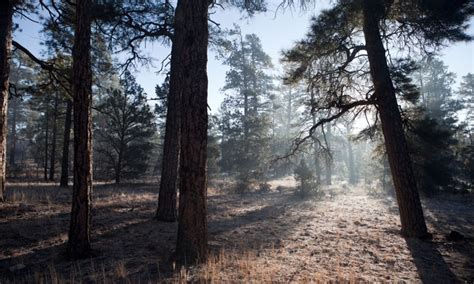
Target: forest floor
[{"x": 347, "y": 235}]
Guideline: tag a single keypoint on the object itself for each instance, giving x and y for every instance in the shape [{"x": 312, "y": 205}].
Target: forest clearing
[
  {"x": 240, "y": 141},
  {"x": 349, "y": 235}
]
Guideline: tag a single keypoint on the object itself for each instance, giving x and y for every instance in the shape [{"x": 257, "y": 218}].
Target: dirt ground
[{"x": 347, "y": 235}]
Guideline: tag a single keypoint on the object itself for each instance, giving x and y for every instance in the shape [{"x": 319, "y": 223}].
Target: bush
[{"x": 308, "y": 184}]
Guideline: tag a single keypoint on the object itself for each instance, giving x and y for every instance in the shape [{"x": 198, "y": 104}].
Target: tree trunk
[
  {"x": 351, "y": 166},
  {"x": 79, "y": 231},
  {"x": 52, "y": 162},
  {"x": 190, "y": 59},
  {"x": 385, "y": 172},
  {"x": 327, "y": 138},
  {"x": 411, "y": 212},
  {"x": 13, "y": 139},
  {"x": 46, "y": 145},
  {"x": 167, "y": 207},
  {"x": 245, "y": 121},
  {"x": 317, "y": 164},
  {"x": 66, "y": 140},
  {"x": 6, "y": 14},
  {"x": 118, "y": 167},
  {"x": 117, "y": 175}
]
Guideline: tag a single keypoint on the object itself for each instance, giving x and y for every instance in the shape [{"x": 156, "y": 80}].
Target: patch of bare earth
[{"x": 275, "y": 236}]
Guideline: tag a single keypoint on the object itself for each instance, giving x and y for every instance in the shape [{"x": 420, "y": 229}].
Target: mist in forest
[{"x": 236, "y": 141}]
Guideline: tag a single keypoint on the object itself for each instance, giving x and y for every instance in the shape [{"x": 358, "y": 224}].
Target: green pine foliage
[
  {"x": 245, "y": 114},
  {"x": 124, "y": 129}
]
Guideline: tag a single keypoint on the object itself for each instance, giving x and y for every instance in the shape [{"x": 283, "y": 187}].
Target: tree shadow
[
  {"x": 429, "y": 262},
  {"x": 141, "y": 250},
  {"x": 259, "y": 224},
  {"x": 442, "y": 214}
]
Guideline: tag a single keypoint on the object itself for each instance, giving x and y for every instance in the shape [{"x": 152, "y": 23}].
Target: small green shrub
[{"x": 308, "y": 185}]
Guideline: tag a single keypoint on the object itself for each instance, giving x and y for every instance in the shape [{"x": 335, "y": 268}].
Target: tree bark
[
  {"x": 6, "y": 15},
  {"x": 79, "y": 231},
  {"x": 52, "y": 162},
  {"x": 190, "y": 59},
  {"x": 411, "y": 212},
  {"x": 66, "y": 140},
  {"x": 167, "y": 199}
]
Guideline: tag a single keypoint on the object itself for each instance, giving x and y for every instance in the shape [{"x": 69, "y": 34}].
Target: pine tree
[
  {"x": 246, "y": 112},
  {"x": 79, "y": 230},
  {"x": 188, "y": 78},
  {"x": 21, "y": 76},
  {"x": 6, "y": 26},
  {"x": 124, "y": 129},
  {"x": 335, "y": 45},
  {"x": 466, "y": 91},
  {"x": 433, "y": 128}
]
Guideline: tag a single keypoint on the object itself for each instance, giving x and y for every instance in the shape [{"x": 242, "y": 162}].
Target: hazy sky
[{"x": 277, "y": 31}]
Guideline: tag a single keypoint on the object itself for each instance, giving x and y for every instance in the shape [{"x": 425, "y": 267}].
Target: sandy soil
[{"x": 277, "y": 236}]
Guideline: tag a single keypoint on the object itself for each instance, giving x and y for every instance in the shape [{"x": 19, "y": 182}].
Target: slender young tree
[
  {"x": 52, "y": 162},
  {"x": 328, "y": 159},
  {"x": 353, "y": 179},
  {"x": 46, "y": 144},
  {"x": 189, "y": 71},
  {"x": 66, "y": 141},
  {"x": 6, "y": 24},
  {"x": 125, "y": 128},
  {"x": 79, "y": 231}
]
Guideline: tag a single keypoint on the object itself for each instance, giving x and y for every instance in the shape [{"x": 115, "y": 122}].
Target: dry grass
[{"x": 260, "y": 238}]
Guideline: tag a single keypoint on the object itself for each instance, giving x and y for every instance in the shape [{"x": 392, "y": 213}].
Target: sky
[{"x": 277, "y": 30}]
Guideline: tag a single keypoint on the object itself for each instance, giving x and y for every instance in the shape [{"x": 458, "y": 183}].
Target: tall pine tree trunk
[
  {"x": 79, "y": 231},
  {"x": 167, "y": 198},
  {"x": 190, "y": 56},
  {"x": 66, "y": 141},
  {"x": 52, "y": 162},
  {"x": 6, "y": 14},
  {"x": 411, "y": 213}
]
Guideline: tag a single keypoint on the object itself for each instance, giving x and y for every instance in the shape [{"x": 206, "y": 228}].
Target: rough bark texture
[
  {"x": 6, "y": 14},
  {"x": 167, "y": 207},
  {"x": 79, "y": 231},
  {"x": 411, "y": 213},
  {"x": 66, "y": 141},
  {"x": 190, "y": 54}
]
